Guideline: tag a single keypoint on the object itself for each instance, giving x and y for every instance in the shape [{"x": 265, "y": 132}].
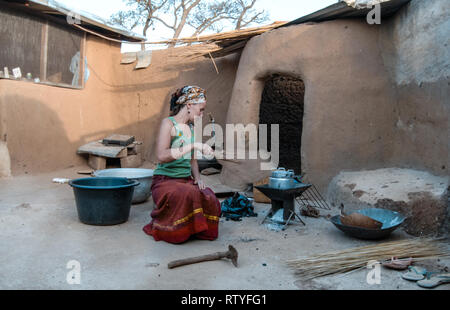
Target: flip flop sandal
[
  {"x": 435, "y": 281},
  {"x": 415, "y": 273}
]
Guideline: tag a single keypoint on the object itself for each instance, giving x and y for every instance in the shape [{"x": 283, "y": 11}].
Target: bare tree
[
  {"x": 208, "y": 16},
  {"x": 180, "y": 10},
  {"x": 245, "y": 14},
  {"x": 200, "y": 14},
  {"x": 141, "y": 13},
  {"x": 214, "y": 14}
]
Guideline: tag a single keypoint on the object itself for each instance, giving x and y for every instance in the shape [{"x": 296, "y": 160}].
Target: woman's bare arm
[
  {"x": 163, "y": 151},
  {"x": 194, "y": 169},
  {"x": 166, "y": 154},
  {"x": 196, "y": 174}
]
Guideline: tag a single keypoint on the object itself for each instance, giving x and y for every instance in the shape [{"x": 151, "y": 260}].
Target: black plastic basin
[{"x": 103, "y": 201}]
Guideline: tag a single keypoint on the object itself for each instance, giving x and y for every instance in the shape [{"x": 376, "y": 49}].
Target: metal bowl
[
  {"x": 144, "y": 176},
  {"x": 391, "y": 221}
]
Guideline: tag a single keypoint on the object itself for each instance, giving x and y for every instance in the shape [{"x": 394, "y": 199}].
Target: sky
[{"x": 279, "y": 10}]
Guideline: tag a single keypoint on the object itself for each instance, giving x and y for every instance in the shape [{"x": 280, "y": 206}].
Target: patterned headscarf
[{"x": 188, "y": 94}]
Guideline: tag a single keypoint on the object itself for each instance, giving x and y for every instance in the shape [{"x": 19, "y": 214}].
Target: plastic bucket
[{"x": 103, "y": 201}]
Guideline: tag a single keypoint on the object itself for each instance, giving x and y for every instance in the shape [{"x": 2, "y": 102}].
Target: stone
[
  {"x": 420, "y": 196},
  {"x": 135, "y": 148},
  {"x": 131, "y": 161},
  {"x": 97, "y": 162},
  {"x": 5, "y": 160}
]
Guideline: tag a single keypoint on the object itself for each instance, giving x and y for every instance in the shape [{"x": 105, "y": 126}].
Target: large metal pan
[{"x": 391, "y": 221}]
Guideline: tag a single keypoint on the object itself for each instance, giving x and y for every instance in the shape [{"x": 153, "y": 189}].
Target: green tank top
[{"x": 181, "y": 167}]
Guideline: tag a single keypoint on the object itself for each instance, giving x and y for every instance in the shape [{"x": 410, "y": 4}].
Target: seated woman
[{"x": 184, "y": 206}]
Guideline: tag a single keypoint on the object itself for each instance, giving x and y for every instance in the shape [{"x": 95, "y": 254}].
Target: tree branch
[
  {"x": 204, "y": 27},
  {"x": 164, "y": 23},
  {"x": 251, "y": 20}
]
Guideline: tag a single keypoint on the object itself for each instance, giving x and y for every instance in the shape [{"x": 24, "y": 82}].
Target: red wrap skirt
[{"x": 182, "y": 210}]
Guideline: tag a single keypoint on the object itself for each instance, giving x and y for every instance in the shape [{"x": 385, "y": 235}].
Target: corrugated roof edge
[
  {"x": 343, "y": 10},
  {"x": 89, "y": 19}
]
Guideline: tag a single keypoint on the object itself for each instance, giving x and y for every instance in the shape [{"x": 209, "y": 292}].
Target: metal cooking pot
[
  {"x": 282, "y": 179},
  {"x": 281, "y": 183},
  {"x": 279, "y": 173},
  {"x": 290, "y": 173}
]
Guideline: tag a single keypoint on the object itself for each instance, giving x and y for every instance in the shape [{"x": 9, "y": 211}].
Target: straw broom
[{"x": 347, "y": 260}]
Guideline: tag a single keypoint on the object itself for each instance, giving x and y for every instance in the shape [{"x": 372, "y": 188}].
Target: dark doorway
[{"x": 282, "y": 103}]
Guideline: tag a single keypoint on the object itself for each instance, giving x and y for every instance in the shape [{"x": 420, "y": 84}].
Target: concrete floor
[{"x": 40, "y": 233}]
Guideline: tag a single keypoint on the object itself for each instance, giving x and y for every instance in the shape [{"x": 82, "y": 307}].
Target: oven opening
[{"x": 282, "y": 103}]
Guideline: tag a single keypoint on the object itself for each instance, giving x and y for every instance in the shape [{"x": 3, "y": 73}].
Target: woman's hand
[
  {"x": 200, "y": 184},
  {"x": 205, "y": 149}
]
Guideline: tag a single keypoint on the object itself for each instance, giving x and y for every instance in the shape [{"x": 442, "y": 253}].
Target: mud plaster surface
[
  {"x": 419, "y": 195},
  {"x": 41, "y": 233}
]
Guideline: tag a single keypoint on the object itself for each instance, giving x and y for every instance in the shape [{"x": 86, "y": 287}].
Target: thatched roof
[{"x": 220, "y": 44}]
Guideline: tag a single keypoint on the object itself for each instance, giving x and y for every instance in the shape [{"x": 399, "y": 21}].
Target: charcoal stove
[{"x": 283, "y": 198}]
